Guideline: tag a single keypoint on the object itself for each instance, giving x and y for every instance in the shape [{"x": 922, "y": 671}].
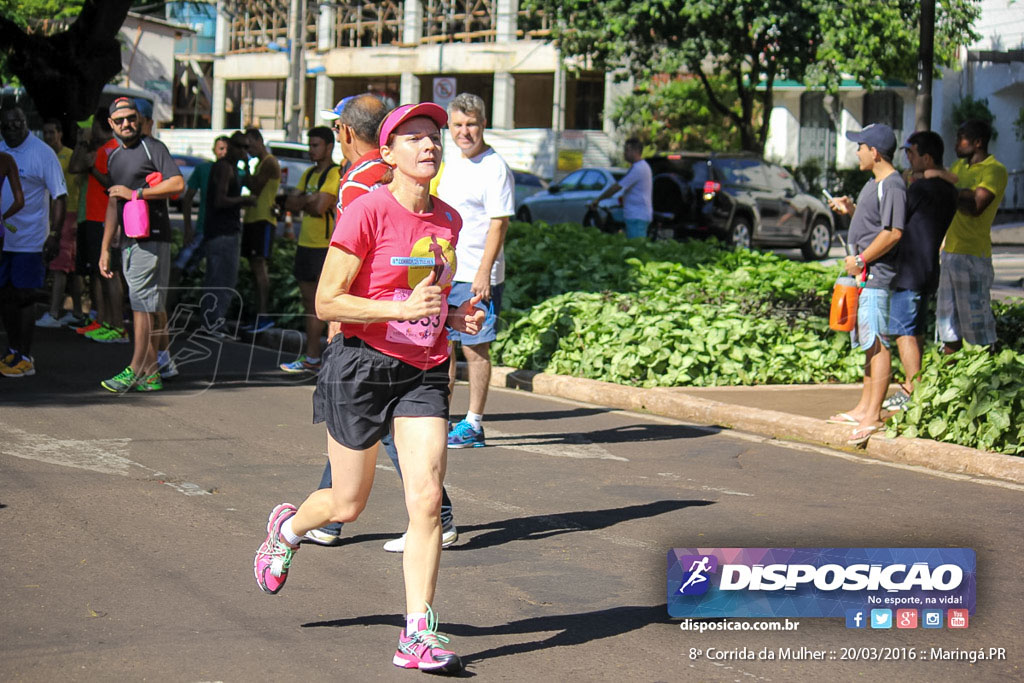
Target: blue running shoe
[{"x": 463, "y": 435}]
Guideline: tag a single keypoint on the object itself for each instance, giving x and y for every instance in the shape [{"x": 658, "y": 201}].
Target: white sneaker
[
  {"x": 448, "y": 536},
  {"x": 48, "y": 320}
]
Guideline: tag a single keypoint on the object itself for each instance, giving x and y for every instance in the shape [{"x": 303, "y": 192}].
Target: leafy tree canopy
[
  {"x": 64, "y": 71},
  {"x": 33, "y": 14},
  {"x": 752, "y": 43},
  {"x": 677, "y": 116}
]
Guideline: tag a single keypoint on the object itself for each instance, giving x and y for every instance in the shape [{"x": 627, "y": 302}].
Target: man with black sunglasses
[{"x": 140, "y": 168}]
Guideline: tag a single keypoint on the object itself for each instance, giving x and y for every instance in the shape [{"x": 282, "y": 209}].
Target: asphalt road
[{"x": 130, "y": 522}]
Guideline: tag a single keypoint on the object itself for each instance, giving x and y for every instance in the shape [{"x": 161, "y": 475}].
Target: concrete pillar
[
  {"x": 408, "y": 88},
  {"x": 412, "y": 32},
  {"x": 505, "y": 21},
  {"x": 558, "y": 100},
  {"x": 325, "y": 27},
  {"x": 324, "y": 97},
  {"x": 412, "y": 23},
  {"x": 612, "y": 92},
  {"x": 503, "y": 106},
  {"x": 220, "y": 43},
  {"x": 219, "y": 93}
]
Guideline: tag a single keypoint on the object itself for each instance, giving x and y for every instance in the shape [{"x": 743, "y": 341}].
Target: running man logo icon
[{"x": 695, "y": 581}]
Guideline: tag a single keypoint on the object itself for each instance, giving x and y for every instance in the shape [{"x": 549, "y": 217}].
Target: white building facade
[{"x": 807, "y": 125}]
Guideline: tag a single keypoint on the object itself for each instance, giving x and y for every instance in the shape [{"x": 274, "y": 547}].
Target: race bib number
[{"x": 422, "y": 332}]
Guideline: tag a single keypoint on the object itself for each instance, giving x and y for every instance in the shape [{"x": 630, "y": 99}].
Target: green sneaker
[
  {"x": 151, "y": 383},
  {"x": 99, "y": 333},
  {"x": 106, "y": 334},
  {"x": 121, "y": 382}
]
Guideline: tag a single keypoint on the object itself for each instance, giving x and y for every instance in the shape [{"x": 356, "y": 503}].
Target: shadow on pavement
[
  {"x": 573, "y": 629},
  {"x": 69, "y": 370},
  {"x": 539, "y": 527},
  {"x": 624, "y": 434},
  {"x": 547, "y": 414}
]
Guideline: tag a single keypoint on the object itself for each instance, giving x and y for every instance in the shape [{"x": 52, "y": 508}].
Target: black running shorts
[
  {"x": 258, "y": 239},
  {"x": 359, "y": 390},
  {"x": 309, "y": 261}
]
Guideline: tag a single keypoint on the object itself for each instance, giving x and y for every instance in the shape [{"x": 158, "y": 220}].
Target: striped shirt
[{"x": 362, "y": 177}]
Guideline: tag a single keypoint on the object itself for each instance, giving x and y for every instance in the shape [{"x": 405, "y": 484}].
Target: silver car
[{"x": 568, "y": 200}]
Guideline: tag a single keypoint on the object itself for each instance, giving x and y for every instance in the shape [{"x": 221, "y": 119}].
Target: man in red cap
[{"x": 142, "y": 166}]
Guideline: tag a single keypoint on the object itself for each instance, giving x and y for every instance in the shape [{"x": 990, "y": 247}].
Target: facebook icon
[{"x": 856, "y": 618}]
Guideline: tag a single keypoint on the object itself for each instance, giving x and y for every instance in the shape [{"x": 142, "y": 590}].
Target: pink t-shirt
[{"x": 398, "y": 249}]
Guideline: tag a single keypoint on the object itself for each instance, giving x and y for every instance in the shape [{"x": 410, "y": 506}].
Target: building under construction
[{"x": 416, "y": 50}]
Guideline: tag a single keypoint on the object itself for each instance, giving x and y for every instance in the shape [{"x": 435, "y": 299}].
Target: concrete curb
[{"x": 934, "y": 455}]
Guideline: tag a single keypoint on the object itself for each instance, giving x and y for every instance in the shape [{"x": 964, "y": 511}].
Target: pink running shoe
[
  {"x": 422, "y": 649},
  {"x": 274, "y": 557}
]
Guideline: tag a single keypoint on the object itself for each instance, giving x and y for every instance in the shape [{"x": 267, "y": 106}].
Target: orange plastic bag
[{"x": 842, "y": 316}]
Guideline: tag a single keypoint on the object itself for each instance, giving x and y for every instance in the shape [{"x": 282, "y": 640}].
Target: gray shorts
[
  {"x": 963, "y": 307},
  {"x": 147, "y": 270}
]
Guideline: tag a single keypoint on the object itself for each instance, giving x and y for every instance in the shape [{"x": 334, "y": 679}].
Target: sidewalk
[{"x": 787, "y": 412}]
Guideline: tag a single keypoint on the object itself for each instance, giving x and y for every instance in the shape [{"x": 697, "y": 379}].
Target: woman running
[{"x": 386, "y": 280}]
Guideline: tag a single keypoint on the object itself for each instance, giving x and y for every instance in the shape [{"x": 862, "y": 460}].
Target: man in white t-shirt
[
  {"x": 637, "y": 206},
  {"x": 29, "y": 235},
  {"x": 480, "y": 185}
]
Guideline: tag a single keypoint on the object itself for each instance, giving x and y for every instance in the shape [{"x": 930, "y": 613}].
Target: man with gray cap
[{"x": 876, "y": 228}]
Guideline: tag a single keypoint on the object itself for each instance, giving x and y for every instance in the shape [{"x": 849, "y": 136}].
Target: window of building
[
  {"x": 535, "y": 95},
  {"x": 817, "y": 132},
  {"x": 193, "y": 83},
  {"x": 884, "y": 106},
  {"x": 477, "y": 84},
  {"x": 464, "y": 21},
  {"x": 385, "y": 87},
  {"x": 257, "y": 103},
  {"x": 584, "y": 102}
]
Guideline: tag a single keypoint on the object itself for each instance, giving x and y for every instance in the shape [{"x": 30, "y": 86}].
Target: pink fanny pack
[{"x": 136, "y": 217}]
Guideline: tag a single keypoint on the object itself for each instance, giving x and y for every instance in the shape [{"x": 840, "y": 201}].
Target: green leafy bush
[
  {"x": 972, "y": 398},
  {"x": 655, "y": 338},
  {"x": 666, "y": 313}
]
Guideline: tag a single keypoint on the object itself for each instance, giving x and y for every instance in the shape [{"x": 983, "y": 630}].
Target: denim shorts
[
  {"x": 872, "y": 319},
  {"x": 908, "y": 313},
  {"x": 461, "y": 293}
]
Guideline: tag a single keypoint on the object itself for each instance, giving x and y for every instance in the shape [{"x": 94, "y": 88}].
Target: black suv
[{"x": 739, "y": 198}]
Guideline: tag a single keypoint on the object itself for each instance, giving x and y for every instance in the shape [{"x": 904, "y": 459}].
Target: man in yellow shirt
[
  {"x": 963, "y": 303},
  {"x": 259, "y": 224},
  {"x": 315, "y": 196}
]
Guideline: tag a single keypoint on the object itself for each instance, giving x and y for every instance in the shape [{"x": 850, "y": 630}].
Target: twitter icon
[{"x": 881, "y": 618}]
